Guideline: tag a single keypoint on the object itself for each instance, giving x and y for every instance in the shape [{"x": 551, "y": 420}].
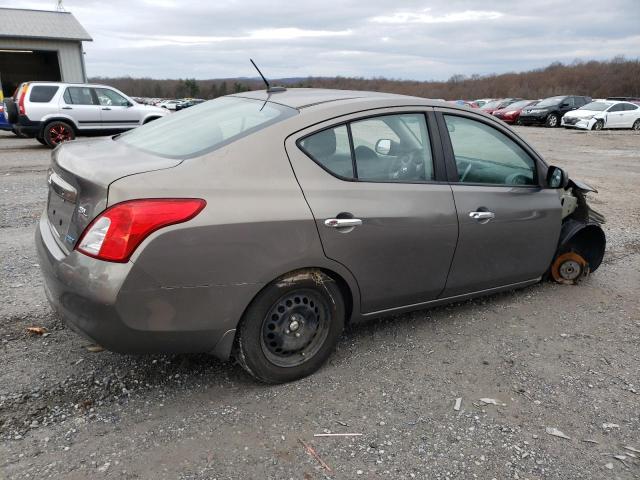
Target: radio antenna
[{"x": 270, "y": 89}]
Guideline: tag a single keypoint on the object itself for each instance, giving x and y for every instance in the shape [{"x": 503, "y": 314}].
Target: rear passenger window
[
  {"x": 79, "y": 96},
  {"x": 486, "y": 155},
  {"x": 629, "y": 106},
  {"x": 392, "y": 148},
  {"x": 330, "y": 148},
  {"x": 42, "y": 93},
  {"x": 387, "y": 148}
]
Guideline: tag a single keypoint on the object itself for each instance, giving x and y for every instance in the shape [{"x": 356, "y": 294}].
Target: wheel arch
[
  {"x": 58, "y": 118},
  {"x": 346, "y": 285},
  {"x": 586, "y": 238}
]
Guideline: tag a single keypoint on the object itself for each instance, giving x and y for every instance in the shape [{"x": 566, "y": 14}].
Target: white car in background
[
  {"x": 601, "y": 114},
  {"x": 170, "y": 104}
]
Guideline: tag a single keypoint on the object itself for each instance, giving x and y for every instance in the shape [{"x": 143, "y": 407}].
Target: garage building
[{"x": 40, "y": 45}]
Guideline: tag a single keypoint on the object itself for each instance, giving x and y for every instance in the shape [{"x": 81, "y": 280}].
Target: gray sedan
[{"x": 255, "y": 226}]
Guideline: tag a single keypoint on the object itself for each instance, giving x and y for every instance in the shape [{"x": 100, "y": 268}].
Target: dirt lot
[{"x": 564, "y": 357}]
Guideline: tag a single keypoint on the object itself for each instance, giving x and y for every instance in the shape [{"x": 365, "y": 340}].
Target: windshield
[
  {"x": 595, "y": 106},
  {"x": 548, "y": 102},
  {"x": 517, "y": 105},
  {"x": 493, "y": 104},
  {"x": 205, "y": 127}
]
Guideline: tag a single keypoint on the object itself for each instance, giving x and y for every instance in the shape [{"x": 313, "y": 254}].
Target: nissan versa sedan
[{"x": 255, "y": 226}]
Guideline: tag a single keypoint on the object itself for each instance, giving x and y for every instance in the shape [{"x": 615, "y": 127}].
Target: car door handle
[
  {"x": 67, "y": 108},
  {"x": 482, "y": 215},
  {"x": 342, "y": 222},
  {"x": 106, "y": 108}
]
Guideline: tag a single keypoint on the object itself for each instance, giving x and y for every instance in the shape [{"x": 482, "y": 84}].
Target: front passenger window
[{"x": 485, "y": 155}]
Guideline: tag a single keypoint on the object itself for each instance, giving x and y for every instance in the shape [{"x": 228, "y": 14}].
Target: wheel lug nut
[{"x": 297, "y": 334}]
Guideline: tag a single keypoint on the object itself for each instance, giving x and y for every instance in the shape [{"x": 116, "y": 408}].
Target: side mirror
[
  {"x": 383, "y": 146},
  {"x": 565, "y": 104},
  {"x": 557, "y": 178}
]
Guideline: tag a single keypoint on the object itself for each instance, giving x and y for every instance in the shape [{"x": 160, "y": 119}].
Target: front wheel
[
  {"x": 552, "y": 120},
  {"x": 599, "y": 125},
  {"x": 57, "y": 132},
  {"x": 290, "y": 329}
]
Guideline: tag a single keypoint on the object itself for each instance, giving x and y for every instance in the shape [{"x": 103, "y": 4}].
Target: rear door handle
[
  {"x": 482, "y": 215},
  {"x": 342, "y": 222}
]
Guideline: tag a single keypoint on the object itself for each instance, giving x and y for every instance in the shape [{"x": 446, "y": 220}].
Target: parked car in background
[
  {"x": 498, "y": 104},
  {"x": 550, "y": 110},
  {"x": 481, "y": 102},
  {"x": 171, "y": 104},
  {"x": 603, "y": 114},
  {"x": 258, "y": 225},
  {"x": 55, "y": 112},
  {"x": 511, "y": 113},
  {"x": 625, "y": 99},
  {"x": 4, "y": 121},
  {"x": 189, "y": 103}
]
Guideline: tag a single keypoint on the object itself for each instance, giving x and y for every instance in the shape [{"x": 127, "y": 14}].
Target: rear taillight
[
  {"x": 23, "y": 94},
  {"x": 116, "y": 233}
]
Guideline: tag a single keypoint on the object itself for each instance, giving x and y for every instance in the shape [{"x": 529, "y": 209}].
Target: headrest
[{"x": 322, "y": 144}]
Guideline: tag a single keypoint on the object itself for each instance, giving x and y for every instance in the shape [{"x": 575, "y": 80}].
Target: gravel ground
[{"x": 563, "y": 357}]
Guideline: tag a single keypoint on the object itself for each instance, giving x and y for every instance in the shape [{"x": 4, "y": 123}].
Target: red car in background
[
  {"x": 511, "y": 113},
  {"x": 491, "y": 107}
]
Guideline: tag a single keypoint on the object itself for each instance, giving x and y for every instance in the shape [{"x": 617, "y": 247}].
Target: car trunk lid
[{"x": 79, "y": 180}]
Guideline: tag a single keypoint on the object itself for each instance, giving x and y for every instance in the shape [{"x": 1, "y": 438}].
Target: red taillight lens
[
  {"x": 116, "y": 233},
  {"x": 23, "y": 93}
]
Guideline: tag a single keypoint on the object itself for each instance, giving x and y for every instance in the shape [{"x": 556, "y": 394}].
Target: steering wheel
[
  {"x": 517, "y": 179},
  {"x": 407, "y": 166}
]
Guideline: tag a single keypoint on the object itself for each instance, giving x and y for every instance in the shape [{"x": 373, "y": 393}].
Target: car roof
[{"x": 301, "y": 98}]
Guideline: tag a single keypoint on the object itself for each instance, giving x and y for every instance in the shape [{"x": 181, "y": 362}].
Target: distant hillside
[{"x": 617, "y": 77}]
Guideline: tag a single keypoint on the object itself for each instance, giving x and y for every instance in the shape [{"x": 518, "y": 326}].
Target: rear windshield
[
  {"x": 205, "y": 127},
  {"x": 42, "y": 93},
  {"x": 595, "y": 106}
]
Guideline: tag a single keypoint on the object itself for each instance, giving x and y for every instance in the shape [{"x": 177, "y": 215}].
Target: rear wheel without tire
[
  {"x": 553, "y": 120},
  {"x": 291, "y": 327},
  {"x": 57, "y": 132}
]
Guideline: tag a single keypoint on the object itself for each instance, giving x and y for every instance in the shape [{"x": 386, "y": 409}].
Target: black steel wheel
[
  {"x": 295, "y": 328},
  {"x": 291, "y": 327}
]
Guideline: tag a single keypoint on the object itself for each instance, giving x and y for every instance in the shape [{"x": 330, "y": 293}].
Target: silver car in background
[{"x": 257, "y": 225}]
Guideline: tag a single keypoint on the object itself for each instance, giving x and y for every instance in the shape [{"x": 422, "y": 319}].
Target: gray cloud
[{"x": 411, "y": 39}]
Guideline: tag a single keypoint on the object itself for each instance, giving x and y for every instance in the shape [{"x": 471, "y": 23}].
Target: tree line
[{"x": 598, "y": 79}]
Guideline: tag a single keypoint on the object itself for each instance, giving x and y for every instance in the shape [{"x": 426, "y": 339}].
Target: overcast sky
[{"x": 429, "y": 39}]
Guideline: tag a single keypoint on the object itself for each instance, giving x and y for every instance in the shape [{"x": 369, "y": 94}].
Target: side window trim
[
  {"x": 440, "y": 169},
  {"x": 452, "y": 171}
]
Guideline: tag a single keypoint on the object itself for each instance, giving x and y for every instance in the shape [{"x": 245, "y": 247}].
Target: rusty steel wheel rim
[{"x": 569, "y": 267}]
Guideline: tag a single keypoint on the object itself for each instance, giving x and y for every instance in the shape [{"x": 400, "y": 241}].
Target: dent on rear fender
[{"x": 318, "y": 277}]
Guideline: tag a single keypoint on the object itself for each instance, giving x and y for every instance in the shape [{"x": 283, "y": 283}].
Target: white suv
[{"x": 55, "y": 112}]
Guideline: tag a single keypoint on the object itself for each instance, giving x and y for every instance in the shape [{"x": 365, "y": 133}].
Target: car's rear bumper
[
  {"x": 118, "y": 307},
  {"x": 26, "y": 126}
]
